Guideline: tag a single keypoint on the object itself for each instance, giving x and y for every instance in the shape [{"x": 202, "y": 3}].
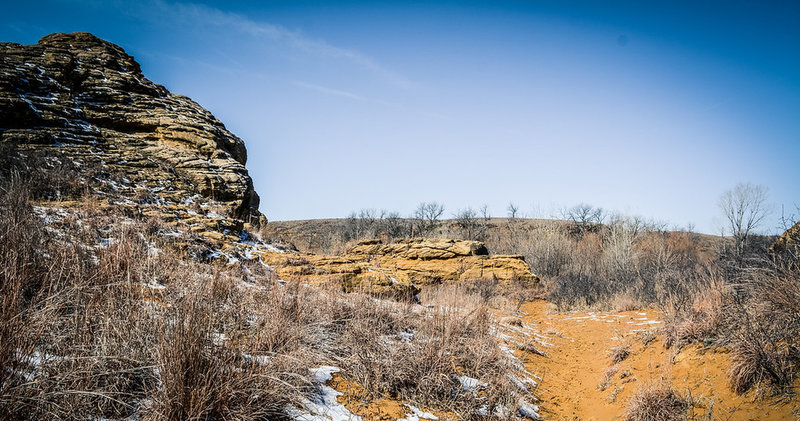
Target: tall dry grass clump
[
  {"x": 94, "y": 324},
  {"x": 704, "y": 320},
  {"x": 765, "y": 328},
  {"x": 756, "y": 314},
  {"x": 203, "y": 376},
  {"x": 657, "y": 401},
  {"x": 417, "y": 354},
  {"x": 68, "y": 341}
]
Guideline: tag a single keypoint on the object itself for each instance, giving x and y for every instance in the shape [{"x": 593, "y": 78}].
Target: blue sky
[{"x": 649, "y": 108}]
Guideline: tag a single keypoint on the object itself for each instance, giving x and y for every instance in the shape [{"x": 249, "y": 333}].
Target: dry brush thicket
[
  {"x": 715, "y": 291},
  {"x": 105, "y": 316}
]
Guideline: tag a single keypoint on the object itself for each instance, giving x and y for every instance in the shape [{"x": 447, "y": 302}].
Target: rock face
[
  {"x": 77, "y": 96},
  {"x": 790, "y": 239},
  {"x": 403, "y": 266}
]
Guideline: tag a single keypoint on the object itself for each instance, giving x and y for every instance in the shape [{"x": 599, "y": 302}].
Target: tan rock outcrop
[
  {"x": 404, "y": 266},
  {"x": 789, "y": 239},
  {"x": 78, "y": 97}
]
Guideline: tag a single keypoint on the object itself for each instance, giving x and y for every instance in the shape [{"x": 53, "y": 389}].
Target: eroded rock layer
[
  {"x": 80, "y": 98},
  {"x": 403, "y": 266},
  {"x": 790, "y": 239}
]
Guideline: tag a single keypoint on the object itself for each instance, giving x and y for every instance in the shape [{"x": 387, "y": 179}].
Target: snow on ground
[
  {"x": 417, "y": 414},
  {"x": 322, "y": 405},
  {"x": 528, "y": 410},
  {"x": 470, "y": 385}
]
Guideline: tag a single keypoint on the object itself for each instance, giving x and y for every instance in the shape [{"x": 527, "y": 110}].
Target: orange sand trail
[{"x": 580, "y": 382}]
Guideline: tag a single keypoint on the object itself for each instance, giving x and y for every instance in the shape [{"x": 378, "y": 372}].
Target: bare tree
[
  {"x": 467, "y": 221},
  {"x": 512, "y": 210},
  {"x": 788, "y": 221},
  {"x": 744, "y": 208},
  {"x": 428, "y": 214},
  {"x": 391, "y": 224},
  {"x": 584, "y": 216},
  {"x": 485, "y": 214}
]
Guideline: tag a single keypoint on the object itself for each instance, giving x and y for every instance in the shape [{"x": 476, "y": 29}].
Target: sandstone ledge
[{"x": 402, "y": 267}]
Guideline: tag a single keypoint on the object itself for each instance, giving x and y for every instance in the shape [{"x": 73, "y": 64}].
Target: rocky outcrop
[
  {"x": 402, "y": 267},
  {"x": 790, "y": 239},
  {"x": 421, "y": 249},
  {"x": 77, "y": 97}
]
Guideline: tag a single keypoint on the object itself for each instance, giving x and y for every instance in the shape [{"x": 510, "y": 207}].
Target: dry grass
[
  {"x": 530, "y": 346},
  {"x": 765, "y": 340},
  {"x": 656, "y": 402},
  {"x": 646, "y": 337},
  {"x": 619, "y": 353},
  {"x": 94, "y": 324},
  {"x": 608, "y": 377},
  {"x": 703, "y": 320},
  {"x": 624, "y": 265}
]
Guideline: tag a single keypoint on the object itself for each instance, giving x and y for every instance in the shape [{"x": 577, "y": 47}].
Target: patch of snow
[
  {"x": 215, "y": 254},
  {"x": 218, "y": 338},
  {"x": 528, "y": 410},
  {"x": 256, "y": 359},
  {"x": 406, "y": 336},
  {"x": 153, "y": 284},
  {"x": 251, "y": 285},
  {"x": 470, "y": 385},
  {"x": 523, "y": 383},
  {"x": 152, "y": 250},
  {"x": 417, "y": 414},
  {"x": 49, "y": 215},
  {"x": 270, "y": 247},
  {"x": 322, "y": 405}
]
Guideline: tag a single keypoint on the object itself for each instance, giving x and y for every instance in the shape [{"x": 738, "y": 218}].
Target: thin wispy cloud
[
  {"x": 329, "y": 91},
  {"x": 349, "y": 95},
  {"x": 207, "y": 16}
]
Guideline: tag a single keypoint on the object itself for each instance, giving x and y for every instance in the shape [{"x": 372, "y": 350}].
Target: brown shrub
[
  {"x": 703, "y": 321},
  {"x": 656, "y": 402},
  {"x": 619, "y": 353},
  {"x": 764, "y": 335}
]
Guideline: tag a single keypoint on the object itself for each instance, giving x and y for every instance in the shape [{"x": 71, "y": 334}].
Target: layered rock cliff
[
  {"x": 80, "y": 98},
  {"x": 403, "y": 266}
]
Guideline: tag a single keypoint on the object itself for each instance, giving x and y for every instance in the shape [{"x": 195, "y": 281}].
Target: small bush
[
  {"x": 656, "y": 402},
  {"x": 765, "y": 329},
  {"x": 619, "y": 353}
]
